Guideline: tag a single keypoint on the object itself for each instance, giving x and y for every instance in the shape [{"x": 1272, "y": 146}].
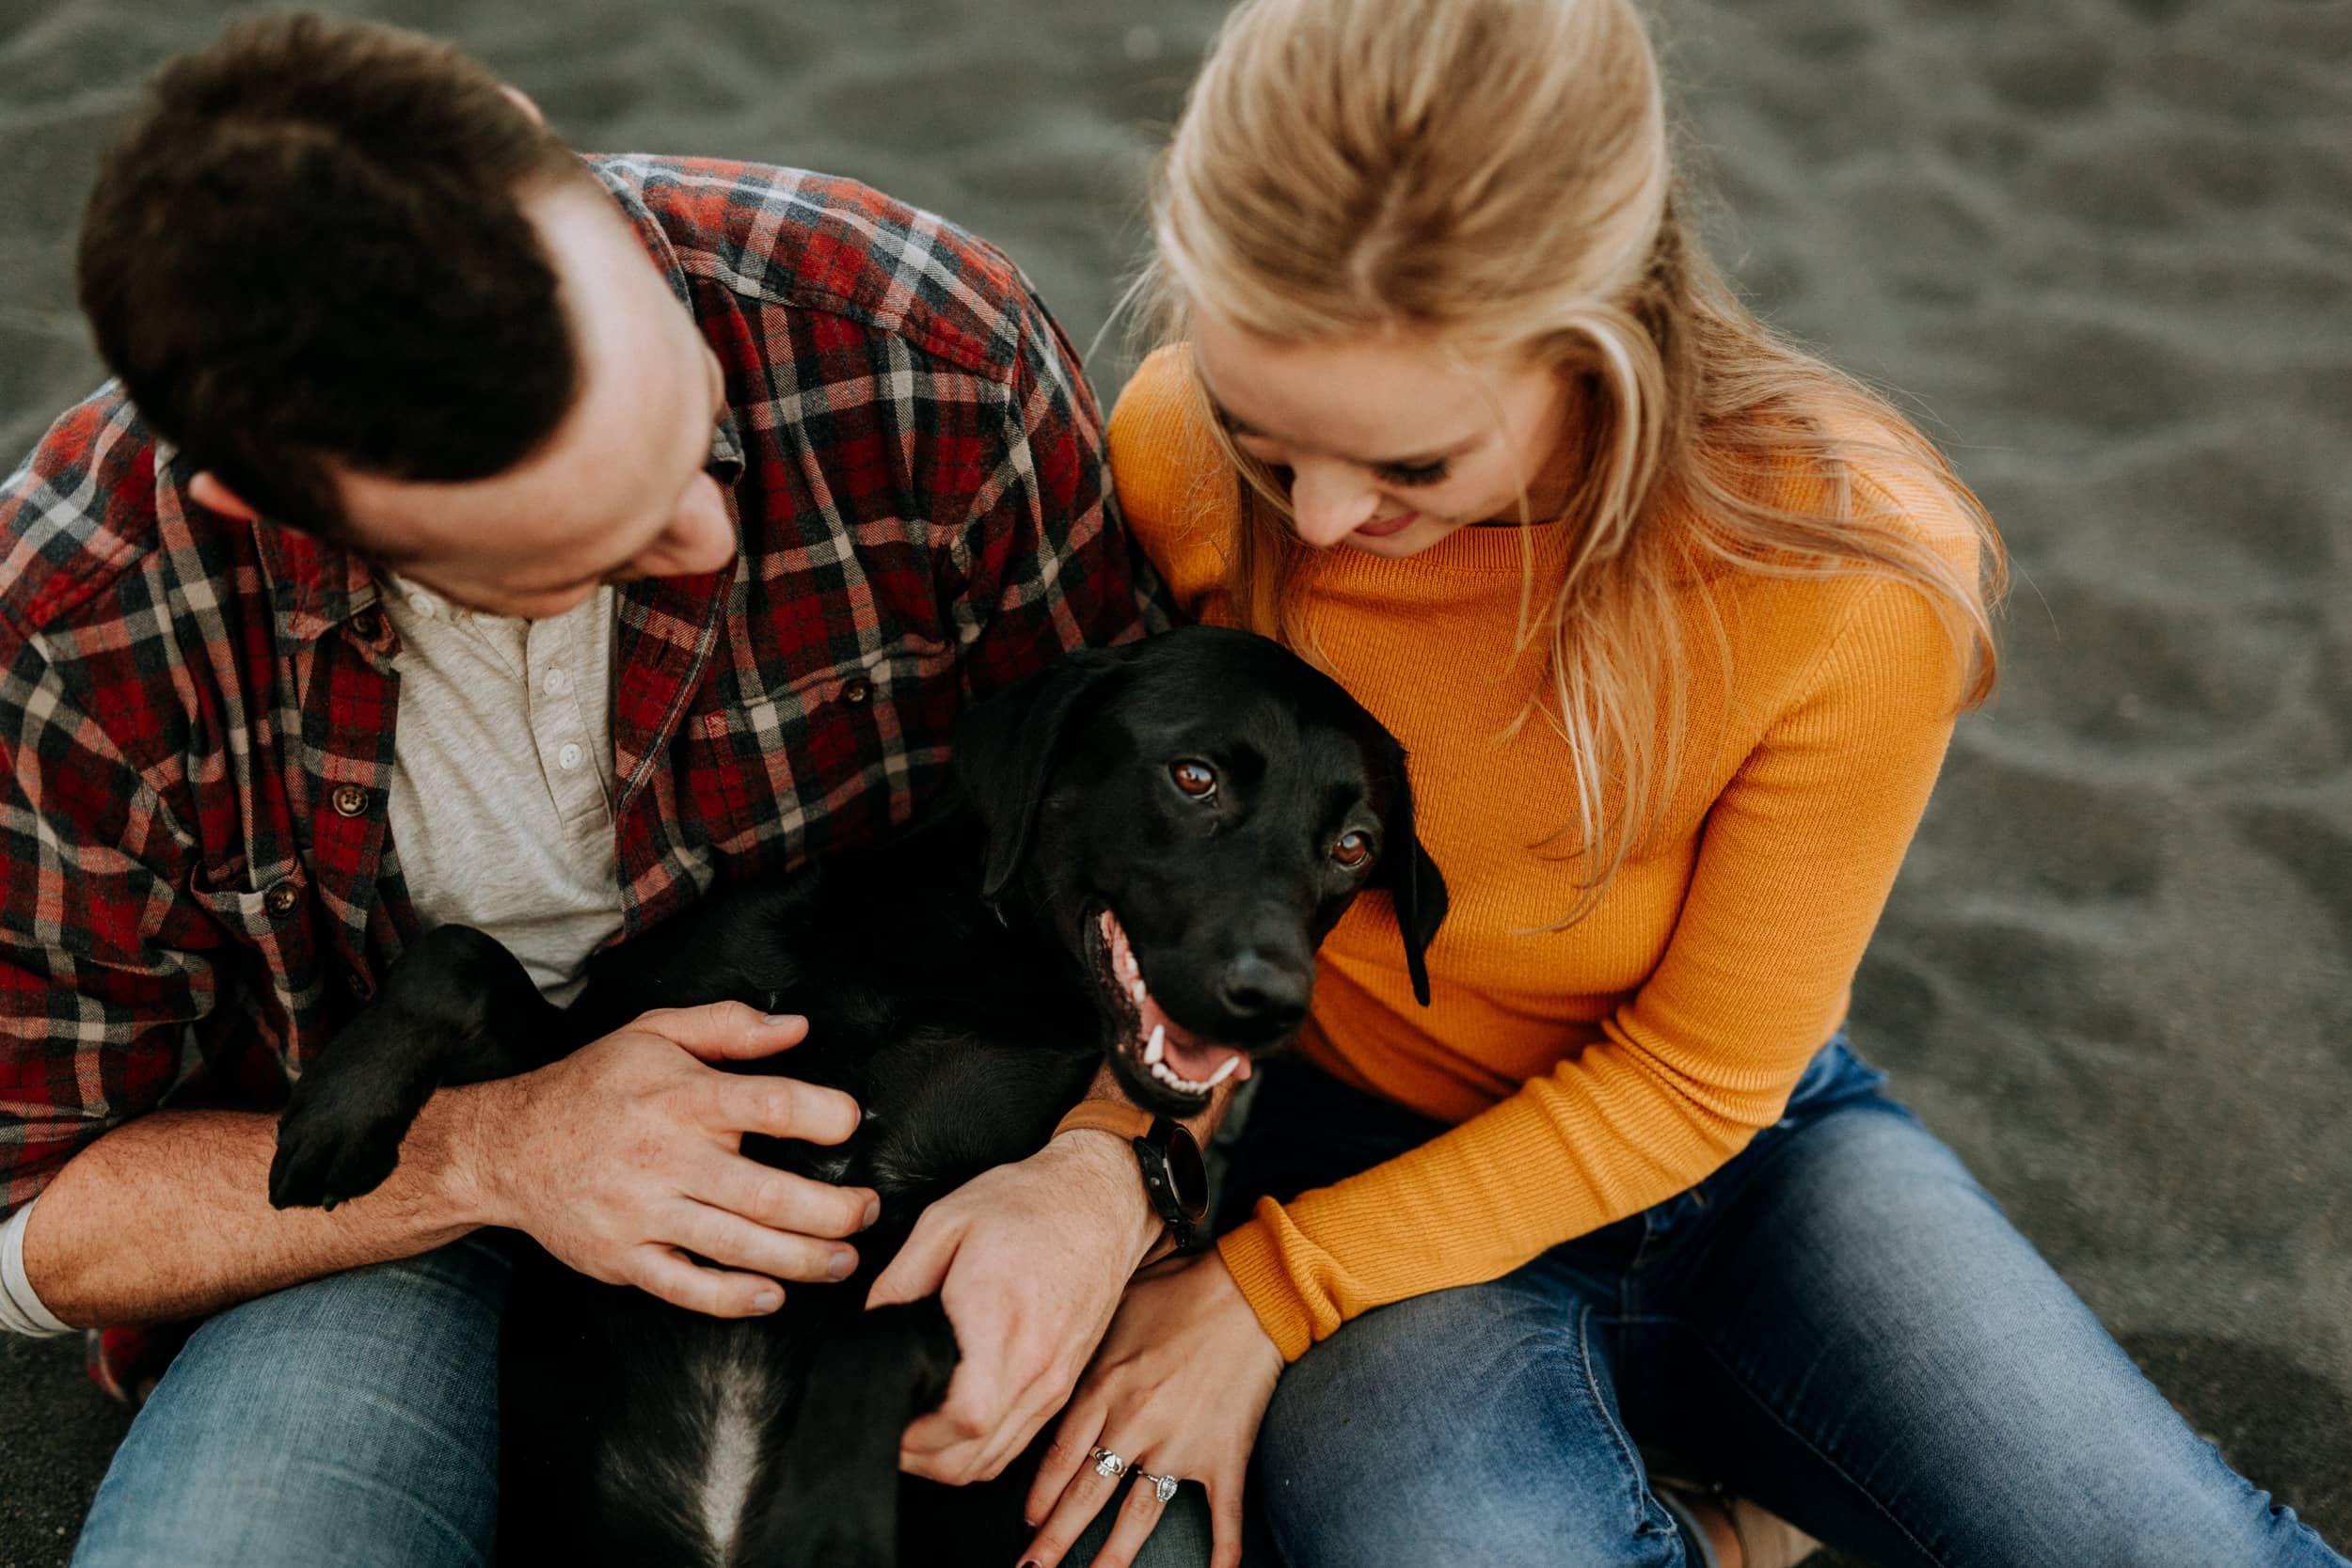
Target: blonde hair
[{"x": 1494, "y": 175}]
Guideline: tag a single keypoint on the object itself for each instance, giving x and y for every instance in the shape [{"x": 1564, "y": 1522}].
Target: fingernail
[
  {"x": 873, "y": 1213},
  {"x": 767, "y": 1301},
  {"x": 843, "y": 1264},
  {"x": 780, "y": 1019}
]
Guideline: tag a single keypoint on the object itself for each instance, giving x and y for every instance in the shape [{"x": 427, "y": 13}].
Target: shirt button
[
  {"x": 369, "y": 625},
  {"x": 857, "y": 691},
  {"x": 349, "y": 799},
  {"x": 568, "y": 757},
  {"x": 423, "y": 606},
  {"x": 555, "y": 683},
  {"x": 282, "y": 897}
]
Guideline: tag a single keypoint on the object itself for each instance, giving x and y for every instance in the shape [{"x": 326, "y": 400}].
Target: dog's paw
[{"x": 325, "y": 1158}]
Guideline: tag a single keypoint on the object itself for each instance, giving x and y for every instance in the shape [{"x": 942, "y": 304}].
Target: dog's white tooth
[
  {"x": 1137, "y": 991},
  {"x": 1169, "y": 1075},
  {"x": 1156, "y": 1046},
  {"x": 1224, "y": 1071}
]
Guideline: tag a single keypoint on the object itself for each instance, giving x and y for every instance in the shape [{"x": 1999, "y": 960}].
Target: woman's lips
[{"x": 1387, "y": 526}]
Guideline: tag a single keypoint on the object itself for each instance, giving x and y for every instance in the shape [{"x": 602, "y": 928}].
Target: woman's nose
[{"x": 1329, "y": 501}]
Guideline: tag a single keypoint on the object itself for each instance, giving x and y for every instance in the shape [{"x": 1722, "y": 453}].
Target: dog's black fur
[{"x": 960, "y": 984}]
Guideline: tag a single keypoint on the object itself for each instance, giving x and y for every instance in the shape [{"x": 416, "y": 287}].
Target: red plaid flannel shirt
[{"x": 196, "y": 885}]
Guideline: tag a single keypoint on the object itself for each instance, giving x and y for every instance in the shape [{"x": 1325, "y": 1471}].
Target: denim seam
[
  {"x": 363, "y": 1480},
  {"x": 1628, "y": 1455},
  {"x": 1740, "y": 1382}
]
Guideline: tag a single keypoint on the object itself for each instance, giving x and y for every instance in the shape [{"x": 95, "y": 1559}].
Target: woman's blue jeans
[{"x": 1839, "y": 1322}]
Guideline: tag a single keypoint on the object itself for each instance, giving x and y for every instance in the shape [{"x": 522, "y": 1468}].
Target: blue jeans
[
  {"x": 350, "y": 1421},
  {"x": 353, "y": 1423},
  {"x": 1840, "y": 1324}
]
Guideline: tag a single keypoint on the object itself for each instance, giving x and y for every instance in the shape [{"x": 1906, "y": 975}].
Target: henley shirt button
[
  {"x": 857, "y": 691},
  {"x": 423, "y": 606},
  {"x": 568, "y": 757},
  {"x": 556, "y": 683},
  {"x": 349, "y": 799},
  {"x": 369, "y": 625},
  {"x": 282, "y": 897}
]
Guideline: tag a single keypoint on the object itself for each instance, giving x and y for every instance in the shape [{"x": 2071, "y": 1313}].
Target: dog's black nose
[{"x": 1262, "y": 990}]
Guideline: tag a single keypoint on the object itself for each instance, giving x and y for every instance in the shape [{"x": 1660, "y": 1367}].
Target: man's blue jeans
[
  {"x": 1839, "y": 1322},
  {"x": 352, "y": 1422}
]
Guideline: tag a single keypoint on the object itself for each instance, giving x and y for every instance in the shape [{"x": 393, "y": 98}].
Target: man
[{"x": 481, "y": 533}]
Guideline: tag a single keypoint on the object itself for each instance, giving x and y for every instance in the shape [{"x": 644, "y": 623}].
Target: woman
[{"x": 1674, "y": 622}]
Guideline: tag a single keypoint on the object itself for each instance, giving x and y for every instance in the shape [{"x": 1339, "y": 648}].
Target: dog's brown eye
[
  {"x": 1352, "y": 850},
  {"x": 1196, "y": 779}
]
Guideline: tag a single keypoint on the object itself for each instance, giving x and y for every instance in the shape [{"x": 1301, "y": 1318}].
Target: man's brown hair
[{"x": 308, "y": 245}]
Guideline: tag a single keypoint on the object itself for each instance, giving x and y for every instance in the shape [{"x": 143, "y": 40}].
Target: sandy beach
[{"x": 2102, "y": 248}]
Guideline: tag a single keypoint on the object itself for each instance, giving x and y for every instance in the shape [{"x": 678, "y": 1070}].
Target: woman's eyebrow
[{"x": 1240, "y": 426}]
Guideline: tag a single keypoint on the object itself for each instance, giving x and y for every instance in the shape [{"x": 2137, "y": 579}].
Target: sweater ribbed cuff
[{"x": 1256, "y": 1264}]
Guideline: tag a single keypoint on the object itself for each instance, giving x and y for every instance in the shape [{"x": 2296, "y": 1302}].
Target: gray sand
[{"x": 2103, "y": 248}]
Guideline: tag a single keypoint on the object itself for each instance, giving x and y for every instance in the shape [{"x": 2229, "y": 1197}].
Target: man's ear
[
  {"x": 524, "y": 101},
  {"x": 208, "y": 492}
]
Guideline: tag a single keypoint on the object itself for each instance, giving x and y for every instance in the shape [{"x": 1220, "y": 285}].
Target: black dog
[{"x": 1140, "y": 852}]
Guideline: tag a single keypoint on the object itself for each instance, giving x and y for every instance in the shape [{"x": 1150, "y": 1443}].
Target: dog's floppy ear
[
  {"x": 1004, "y": 751},
  {"x": 1412, "y": 878}
]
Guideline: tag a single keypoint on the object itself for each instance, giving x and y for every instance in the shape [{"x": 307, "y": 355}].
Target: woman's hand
[{"x": 1178, "y": 1388}]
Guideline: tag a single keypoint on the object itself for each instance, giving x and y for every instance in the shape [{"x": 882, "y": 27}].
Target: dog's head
[{"x": 1190, "y": 815}]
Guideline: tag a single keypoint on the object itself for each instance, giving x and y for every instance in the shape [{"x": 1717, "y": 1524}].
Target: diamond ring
[
  {"x": 1108, "y": 1464},
  {"x": 1163, "y": 1486}
]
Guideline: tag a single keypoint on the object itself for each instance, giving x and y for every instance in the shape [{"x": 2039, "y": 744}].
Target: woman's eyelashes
[
  {"x": 1435, "y": 473},
  {"x": 1415, "y": 473},
  {"x": 1388, "y": 473}
]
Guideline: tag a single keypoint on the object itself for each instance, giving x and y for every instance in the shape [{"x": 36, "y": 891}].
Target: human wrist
[
  {"x": 1107, "y": 1157},
  {"x": 1226, "y": 1294},
  {"x": 468, "y": 1179},
  {"x": 1248, "y": 1257}
]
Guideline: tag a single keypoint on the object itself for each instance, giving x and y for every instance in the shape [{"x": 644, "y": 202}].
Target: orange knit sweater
[{"x": 1592, "y": 1071}]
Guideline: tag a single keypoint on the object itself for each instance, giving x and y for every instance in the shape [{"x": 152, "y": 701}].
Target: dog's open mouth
[{"x": 1157, "y": 1045}]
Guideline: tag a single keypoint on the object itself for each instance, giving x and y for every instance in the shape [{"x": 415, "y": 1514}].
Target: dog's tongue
[
  {"x": 1182, "y": 1053},
  {"x": 1187, "y": 1055}
]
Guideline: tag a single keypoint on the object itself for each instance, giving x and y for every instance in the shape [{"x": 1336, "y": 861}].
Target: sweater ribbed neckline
[{"x": 1467, "y": 552}]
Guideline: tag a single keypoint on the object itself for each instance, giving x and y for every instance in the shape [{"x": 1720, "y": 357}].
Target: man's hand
[
  {"x": 1028, "y": 1260},
  {"x": 627, "y": 1155}
]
